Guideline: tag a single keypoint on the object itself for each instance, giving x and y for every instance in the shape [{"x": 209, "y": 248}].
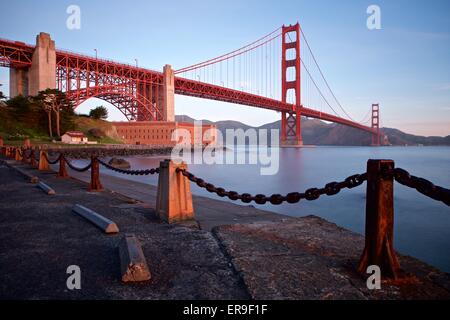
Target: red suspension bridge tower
[
  {"x": 376, "y": 124},
  {"x": 291, "y": 134}
]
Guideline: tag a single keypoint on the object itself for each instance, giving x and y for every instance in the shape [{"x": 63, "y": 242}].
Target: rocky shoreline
[{"x": 124, "y": 151}]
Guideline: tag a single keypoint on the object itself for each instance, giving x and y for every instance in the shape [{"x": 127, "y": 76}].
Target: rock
[
  {"x": 97, "y": 133},
  {"x": 119, "y": 163}
]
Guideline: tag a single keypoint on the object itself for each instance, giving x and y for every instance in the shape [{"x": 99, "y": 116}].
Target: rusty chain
[
  {"x": 131, "y": 172},
  {"x": 329, "y": 189},
  {"x": 422, "y": 185},
  {"x": 400, "y": 175},
  {"x": 54, "y": 161},
  {"x": 71, "y": 166}
]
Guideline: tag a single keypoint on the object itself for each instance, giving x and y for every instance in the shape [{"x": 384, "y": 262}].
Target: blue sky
[{"x": 405, "y": 66}]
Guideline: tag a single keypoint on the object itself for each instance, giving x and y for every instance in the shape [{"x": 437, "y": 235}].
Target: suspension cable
[{"x": 323, "y": 77}]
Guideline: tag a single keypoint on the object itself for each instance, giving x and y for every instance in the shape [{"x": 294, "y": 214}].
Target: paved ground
[
  {"x": 311, "y": 258},
  {"x": 266, "y": 256},
  {"x": 40, "y": 237}
]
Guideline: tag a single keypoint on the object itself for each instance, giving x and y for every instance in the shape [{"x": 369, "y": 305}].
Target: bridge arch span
[{"x": 131, "y": 104}]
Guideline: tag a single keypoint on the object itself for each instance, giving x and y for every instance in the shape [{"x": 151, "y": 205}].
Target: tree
[
  {"x": 99, "y": 113},
  {"x": 23, "y": 110},
  {"x": 55, "y": 101},
  {"x": 2, "y": 96}
]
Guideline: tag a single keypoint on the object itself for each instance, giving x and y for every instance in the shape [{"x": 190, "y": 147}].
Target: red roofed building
[{"x": 74, "y": 137}]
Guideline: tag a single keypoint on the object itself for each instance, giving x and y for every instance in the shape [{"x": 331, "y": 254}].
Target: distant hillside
[
  {"x": 397, "y": 137},
  {"x": 317, "y": 132}
]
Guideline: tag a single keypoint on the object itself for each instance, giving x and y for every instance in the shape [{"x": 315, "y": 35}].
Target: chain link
[
  {"x": 131, "y": 172},
  {"x": 311, "y": 194},
  {"x": 54, "y": 161},
  {"x": 400, "y": 175},
  {"x": 71, "y": 166},
  {"x": 422, "y": 185}
]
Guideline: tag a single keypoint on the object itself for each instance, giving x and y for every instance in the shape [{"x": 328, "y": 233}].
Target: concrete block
[
  {"x": 28, "y": 176},
  {"x": 98, "y": 220},
  {"x": 43, "y": 163},
  {"x": 46, "y": 188},
  {"x": 133, "y": 266},
  {"x": 174, "y": 198},
  {"x": 18, "y": 156},
  {"x": 34, "y": 179}
]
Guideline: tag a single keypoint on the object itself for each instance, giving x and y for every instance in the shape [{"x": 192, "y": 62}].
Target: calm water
[{"x": 422, "y": 225}]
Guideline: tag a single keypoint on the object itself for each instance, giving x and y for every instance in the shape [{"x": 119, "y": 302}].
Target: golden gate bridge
[{"x": 248, "y": 76}]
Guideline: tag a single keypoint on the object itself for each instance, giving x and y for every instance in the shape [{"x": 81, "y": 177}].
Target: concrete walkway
[
  {"x": 264, "y": 256},
  {"x": 40, "y": 237}
]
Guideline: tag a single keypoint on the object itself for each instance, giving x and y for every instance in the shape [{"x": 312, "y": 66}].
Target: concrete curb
[
  {"x": 133, "y": 266},
  {"x": 46, "y": 188},
  {"x": 30, "y": 177},
  {"x": 98, "y": 220}
]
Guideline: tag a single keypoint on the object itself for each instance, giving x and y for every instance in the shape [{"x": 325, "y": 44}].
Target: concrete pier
[{"x": 42, "y": 73}]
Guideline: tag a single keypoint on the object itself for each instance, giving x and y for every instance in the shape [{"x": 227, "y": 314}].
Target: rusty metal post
[
  {"x": 32, "y": 158},
  {"x": 379, "y": 246},
  {"x": 95, "y": 184},
  {"x": 62, "y": 173}
]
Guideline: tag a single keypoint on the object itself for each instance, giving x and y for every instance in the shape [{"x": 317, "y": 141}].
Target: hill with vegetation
[
  {"x": 317, "y": 132},
  {"x": 46, "y": 117}
]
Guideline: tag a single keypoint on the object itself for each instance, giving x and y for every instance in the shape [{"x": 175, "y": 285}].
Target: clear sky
[{"x": 405, "y": 66}]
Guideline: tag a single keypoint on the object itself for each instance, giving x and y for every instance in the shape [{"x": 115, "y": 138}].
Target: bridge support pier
[
  {"x": 42, "y": 73},
  {"x": 168, "y": 104},
  {"x": 161, "y": 95},
  {"x": 291, "y": 134}
]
